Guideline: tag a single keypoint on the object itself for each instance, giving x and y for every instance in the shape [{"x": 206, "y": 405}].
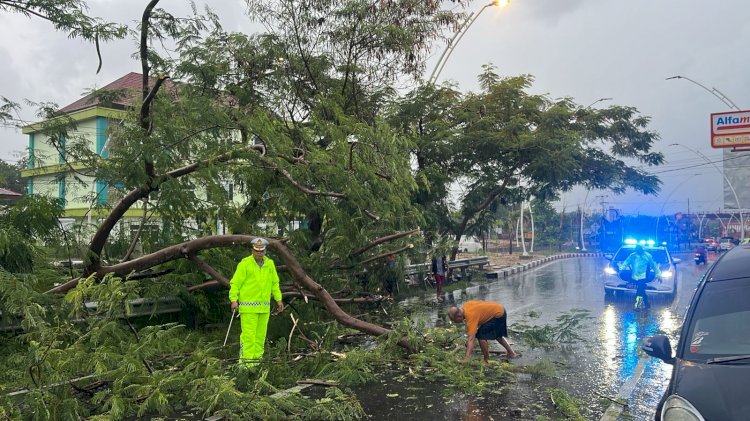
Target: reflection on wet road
[{"x": 608, "y": 366}]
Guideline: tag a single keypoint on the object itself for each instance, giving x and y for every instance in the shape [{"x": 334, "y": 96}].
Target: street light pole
[
  {"x": 457, "y": 37},
  {"x": 661, "y": 211},
  {"x": 713, "y": 91},
  {"x": 729, "y": 183},
  {"x": 583, "y": 211},
  {"x": 700, "y": 226},
  {"x": 531, "y": 215},
  {"x": 523, "y": 239},
  {"x": 729, "y": 103}
]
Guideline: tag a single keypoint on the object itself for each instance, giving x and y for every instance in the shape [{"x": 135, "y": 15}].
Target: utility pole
[{"x": 689, "y": 225}]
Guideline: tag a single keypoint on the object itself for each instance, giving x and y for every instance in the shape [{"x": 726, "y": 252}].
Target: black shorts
[{"x": 494, "y": 329}]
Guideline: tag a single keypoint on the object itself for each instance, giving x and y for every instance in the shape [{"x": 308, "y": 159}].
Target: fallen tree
[{"x": 251, "y": 134}]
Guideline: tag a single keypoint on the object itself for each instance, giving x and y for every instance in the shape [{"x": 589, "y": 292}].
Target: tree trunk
[{"x": 340, "y": 315}]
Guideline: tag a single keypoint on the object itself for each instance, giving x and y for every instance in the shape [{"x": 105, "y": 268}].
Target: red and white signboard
[{"x": 730, "y": 129}]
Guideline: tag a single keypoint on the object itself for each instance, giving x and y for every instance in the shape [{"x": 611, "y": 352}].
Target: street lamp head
[
  {"x": 500, "y": 3},
  {"x": 597, "y": 101}
]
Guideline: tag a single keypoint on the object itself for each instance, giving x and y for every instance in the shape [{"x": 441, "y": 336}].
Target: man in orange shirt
[{"x": 485, "y": 320}]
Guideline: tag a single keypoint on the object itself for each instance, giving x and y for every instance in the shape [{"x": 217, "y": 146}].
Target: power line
[{"x": 698, "y": 165}]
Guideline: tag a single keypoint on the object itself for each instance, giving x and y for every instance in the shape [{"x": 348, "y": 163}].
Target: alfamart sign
[{"x": 730, "y": 129}]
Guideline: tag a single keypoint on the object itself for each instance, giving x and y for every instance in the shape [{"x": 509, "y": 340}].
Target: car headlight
[
  {"x": 609, "y": 270},
  {"x": 677, "y": 408},
  {"x": 666, "y": 274}
]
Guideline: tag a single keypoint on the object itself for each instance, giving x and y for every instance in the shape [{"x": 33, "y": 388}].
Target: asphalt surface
[{"x": 606, "y": 368}]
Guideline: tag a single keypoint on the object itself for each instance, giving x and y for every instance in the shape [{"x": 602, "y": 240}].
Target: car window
[
  {"x": 659, "y": 255},
  {"x": 720, "y": 324}
]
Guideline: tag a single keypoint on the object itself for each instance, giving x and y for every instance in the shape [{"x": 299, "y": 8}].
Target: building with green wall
[{"x": 87, "y": 120}]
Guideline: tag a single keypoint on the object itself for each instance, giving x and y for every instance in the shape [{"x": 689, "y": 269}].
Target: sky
[{"x": 582, "y": 49}]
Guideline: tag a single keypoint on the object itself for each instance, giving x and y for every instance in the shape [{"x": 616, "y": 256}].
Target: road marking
[{"x": 615, "y": 409}]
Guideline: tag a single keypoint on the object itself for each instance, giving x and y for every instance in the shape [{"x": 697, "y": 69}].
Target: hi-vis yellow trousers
[{"x": 253, "y": 337}]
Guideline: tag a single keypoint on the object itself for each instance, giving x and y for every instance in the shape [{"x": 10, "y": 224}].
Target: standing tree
[
  {"x": 506, "y": 144},
  {"x": 10, "y": 175}
]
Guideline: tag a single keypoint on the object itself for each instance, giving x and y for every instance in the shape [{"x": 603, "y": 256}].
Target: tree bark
[{"x": 341, "y": 316}]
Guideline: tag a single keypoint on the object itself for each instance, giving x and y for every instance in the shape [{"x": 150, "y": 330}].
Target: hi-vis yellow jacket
[{"x": 252, "y": 286}]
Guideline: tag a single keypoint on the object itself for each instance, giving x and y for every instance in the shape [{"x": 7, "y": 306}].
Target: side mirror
[
  {"x": 676, "y": 260},
  {"x": 658, "y": 346},
  {"x": 608, "y": 256}
]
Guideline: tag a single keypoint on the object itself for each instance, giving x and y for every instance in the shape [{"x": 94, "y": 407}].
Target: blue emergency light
[{"x": 633, "y": 241}]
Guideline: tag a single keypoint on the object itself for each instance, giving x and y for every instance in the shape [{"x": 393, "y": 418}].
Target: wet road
[{"x": 608, "y": 365}]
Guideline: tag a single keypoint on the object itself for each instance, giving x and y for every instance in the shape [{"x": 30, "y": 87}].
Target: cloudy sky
[{"x": 584, "y": 49}]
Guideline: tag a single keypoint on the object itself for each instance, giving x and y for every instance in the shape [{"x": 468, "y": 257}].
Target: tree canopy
[{"x": 505, "y": 145}]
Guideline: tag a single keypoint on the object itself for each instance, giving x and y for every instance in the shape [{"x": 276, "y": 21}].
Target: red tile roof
[
  {"x": 9, "y": 194},
  {"x": 131, "y": 83}
]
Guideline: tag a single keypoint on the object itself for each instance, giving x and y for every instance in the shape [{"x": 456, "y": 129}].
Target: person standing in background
[{"x": 439, "y": 272}]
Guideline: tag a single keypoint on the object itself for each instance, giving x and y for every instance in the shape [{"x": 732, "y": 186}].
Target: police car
[{"x": 667, "y": 285}]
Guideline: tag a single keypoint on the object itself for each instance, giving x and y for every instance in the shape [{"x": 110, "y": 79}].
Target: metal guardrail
[
  {"x": 133, "y": 308},
  {"x": 410, "y": 270},
  {"x": 421, "y": 269},
  {"x": 480, "y": 261},
  {"x": 145, "y": 306}
]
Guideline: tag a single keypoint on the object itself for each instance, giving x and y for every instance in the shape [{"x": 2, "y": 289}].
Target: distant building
[
  {"x": 85, "y": 198},
  {"x": 50, "y": 174},
  {"x": 737, "y": 171}
]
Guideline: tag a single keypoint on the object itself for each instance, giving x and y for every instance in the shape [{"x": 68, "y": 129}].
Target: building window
[
  {"x": 61, "y": 189},
  {"x": 61, "y": 158}
]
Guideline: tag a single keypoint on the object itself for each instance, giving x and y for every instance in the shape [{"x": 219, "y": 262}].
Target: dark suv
[{"x": 711, "y": 374}]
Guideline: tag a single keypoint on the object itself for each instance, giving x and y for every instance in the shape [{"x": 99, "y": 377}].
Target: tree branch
[
  {"x": 376, "y": 257},
  {"x": 207, "y": 284},
  {"x": 359, "y": 300},
  {"x": 138, "y": 340},
  {"x": 382, "y": 240},
  {"x": 101, "y": 235},
  {"x": 300, "y": 187},
  {"x": 205, "y": 267},
  {"x": 144, "y": 118},
  {"x": 145, "y": 21},
  {"x": 342, "y": 317},
  {"x": 371, "y": 215},
  {"x": 146, "y": 106},
  {"x": 469, "y": 213},
  {"x": 137, "y": 235}
]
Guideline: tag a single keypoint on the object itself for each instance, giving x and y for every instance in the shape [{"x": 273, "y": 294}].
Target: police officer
[
  {"x": 639, "y": 262},
  {"x": 254, "y": 282}
]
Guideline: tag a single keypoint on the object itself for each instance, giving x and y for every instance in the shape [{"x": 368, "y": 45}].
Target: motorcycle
[{"x": 700, "y": 256}]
